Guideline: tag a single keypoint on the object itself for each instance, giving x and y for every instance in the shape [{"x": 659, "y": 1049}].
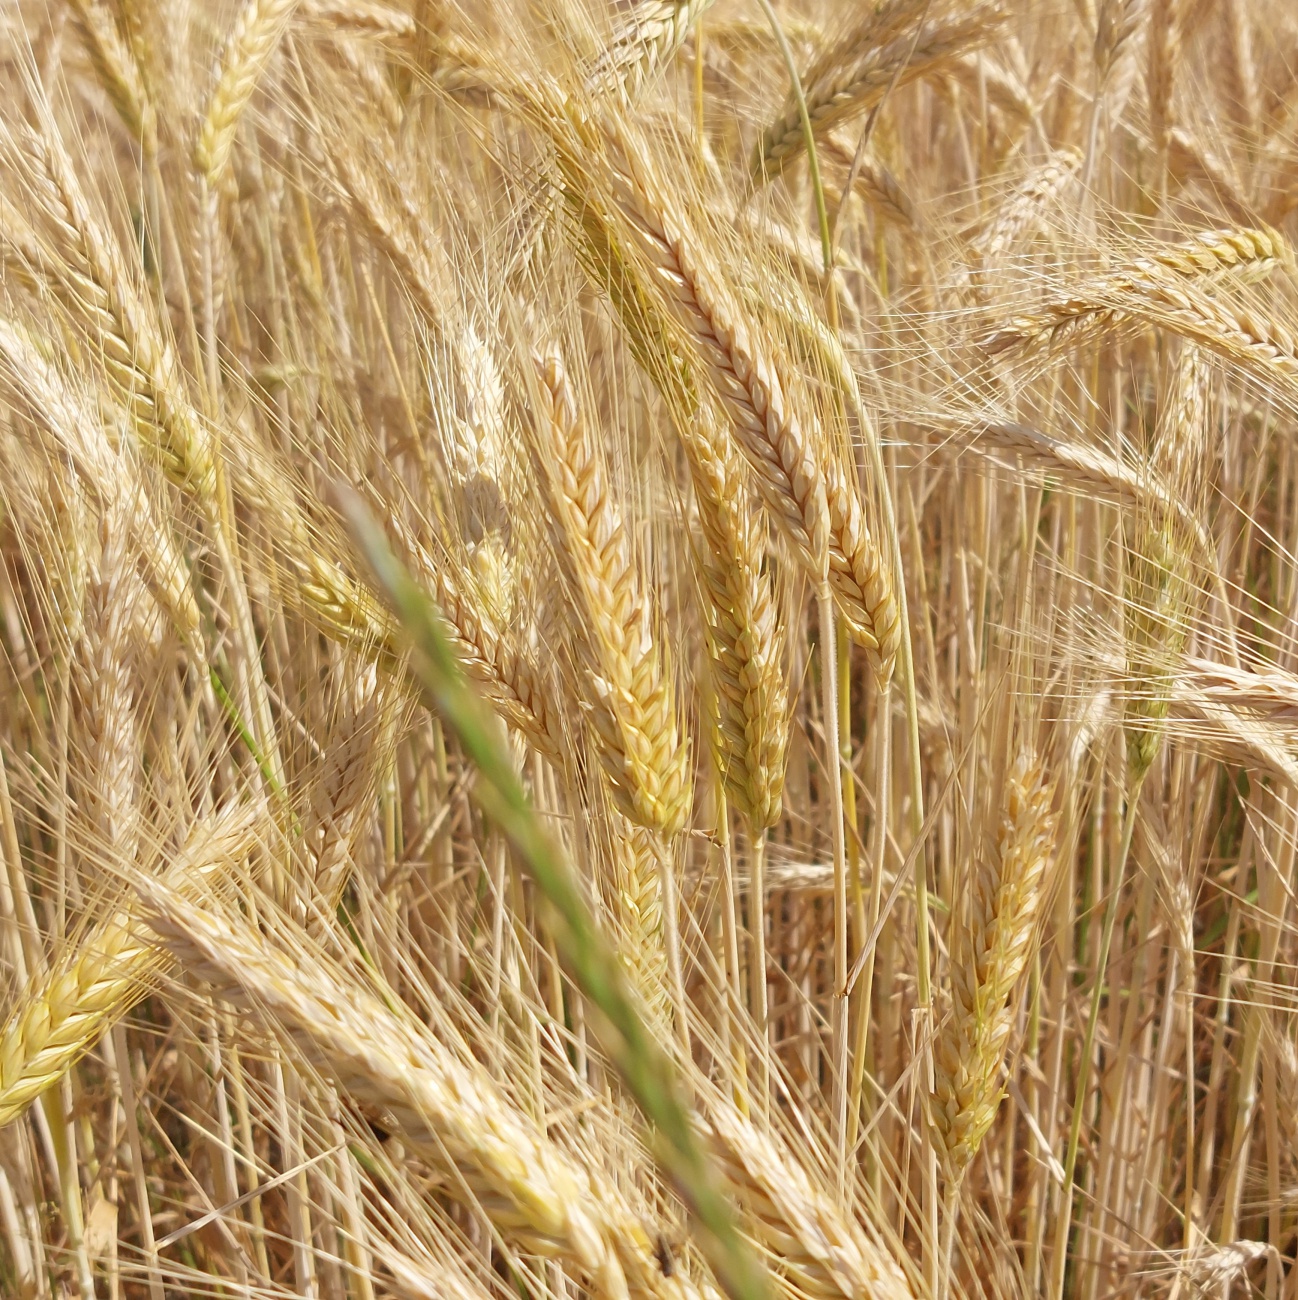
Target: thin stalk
[
  {"x": 730, "y": 939},
  {"x": 136, "y": 1149},
  {"x": 1063, "y": 1225},
  {"x": 758, "y": 997}
]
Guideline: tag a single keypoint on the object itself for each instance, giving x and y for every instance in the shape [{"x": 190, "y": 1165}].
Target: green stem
[{"x": 587, "y": 953}]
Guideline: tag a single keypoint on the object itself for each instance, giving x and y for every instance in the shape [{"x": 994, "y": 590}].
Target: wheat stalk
[{"x": 994, "y": 946}]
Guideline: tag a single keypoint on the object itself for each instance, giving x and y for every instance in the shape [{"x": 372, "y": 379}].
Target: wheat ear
[
  {"x": 451, "y": 1111},
  {"x": 854, "y": 73},
  {"x": 67, "y": 1012},
  {"x": 994, "y": 946},
  {"x": 820, "y": 1251},
  {"x": 91, "y": 277},
  {"x": 633, "y": 714},
  {"x": 645, "y": 40},
  {"x": 251, "y": 44},
  {"x": 1162, "y": 279},
  {"x": 751, "y": 699},
  {"x": 118, "y": 72},
  {"x": 1157, "y": 590},
  {"x": 77, "y": 434}
]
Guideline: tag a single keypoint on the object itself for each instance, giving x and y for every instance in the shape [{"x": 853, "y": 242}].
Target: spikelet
[
  {"x": 451, "y": 1111},
  {"x": 251, "y": 45},
  {"x": 66, "y": 1013},
  {"x": 632, "y": 711},
  {"x": 853, "y": 73},
  {"x": 992, "y": 953}
]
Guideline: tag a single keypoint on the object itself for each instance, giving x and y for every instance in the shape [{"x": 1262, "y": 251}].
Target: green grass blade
[{"x": 584, "y": 949}]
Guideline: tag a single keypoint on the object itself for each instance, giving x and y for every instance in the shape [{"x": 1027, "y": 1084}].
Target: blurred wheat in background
[{"x": 648, "y": 648}]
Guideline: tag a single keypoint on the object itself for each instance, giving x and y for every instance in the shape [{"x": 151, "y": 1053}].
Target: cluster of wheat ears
[{"x": 648, "y": 649}]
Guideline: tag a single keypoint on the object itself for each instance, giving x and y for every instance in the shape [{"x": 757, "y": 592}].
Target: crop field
[{"x": 648, "y": 649}]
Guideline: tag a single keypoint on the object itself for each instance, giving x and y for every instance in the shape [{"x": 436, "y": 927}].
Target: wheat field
[{"x": 648, "y": 649}]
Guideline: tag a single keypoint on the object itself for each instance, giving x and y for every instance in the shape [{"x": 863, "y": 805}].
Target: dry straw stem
[
  {"x": 806, "y": 489},
  {"x": 750, "y": 698},
  {"x": 851, "y": 76},
  {"x": 249, "y": 48},
  {"x": 633, "y": 713},
  {"x": 646, "y": 39},
  {"x": 818, "y": 1249},
  {"x": 992, "y": 952},
  {"x": 67, "y": 1012},
  {"x": 1160, "y": 284},
  {"x": 534, "y": 1194}
]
